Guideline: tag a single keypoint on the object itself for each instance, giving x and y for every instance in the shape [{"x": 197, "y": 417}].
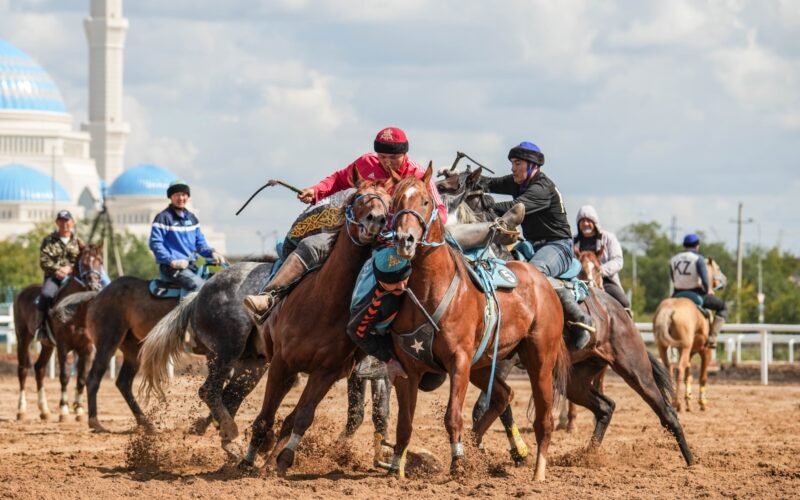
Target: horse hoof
[
  {"x": 95, "y": 426},
  {"x": 80, "y": 417},
  {"x": 62, "y": 418},
  {"x": 457, "y": 469},
  {"x": 244, "y": 465},
  {"x": 233, "y": 450},
  {"x": 200, "y": 426},
  {"x": 44, "y": 417},
  {"x": 284, "y": 461},
  {"x": 518, "y": 459},
  {"x": 570, "y": 428},
  {"x": 20, "y": 416}
]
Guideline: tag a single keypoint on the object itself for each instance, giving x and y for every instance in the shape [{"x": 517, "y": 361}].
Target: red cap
[{"x": 391, "y": 140}]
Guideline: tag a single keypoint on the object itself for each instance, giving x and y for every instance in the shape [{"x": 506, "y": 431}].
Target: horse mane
[
  {"x": 65, "y": 309},
  {"x": 465, "y": 214},
  {"x": 406, "y": 183}
]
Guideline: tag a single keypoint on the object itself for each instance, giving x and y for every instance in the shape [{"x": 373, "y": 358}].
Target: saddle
[
  {"x": 163, "y": 289},
  {"x": 697, "y": 299},
  {"x": 490, "y": 270},
  {"x": 568, "y": 279}
]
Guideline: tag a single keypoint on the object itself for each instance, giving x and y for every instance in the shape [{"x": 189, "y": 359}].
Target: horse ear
[
  {"x": 428, "y": 174},
  {"x": 356, "y": 178},
  {"x": 599, "y": 251},
  {"x": 474, "y": 177}
]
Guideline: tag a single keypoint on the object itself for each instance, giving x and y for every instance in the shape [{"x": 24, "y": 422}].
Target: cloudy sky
[{"x": 648, "y": 110}]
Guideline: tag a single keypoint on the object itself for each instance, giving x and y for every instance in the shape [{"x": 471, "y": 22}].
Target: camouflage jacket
[{"x": 54, "y": 254}]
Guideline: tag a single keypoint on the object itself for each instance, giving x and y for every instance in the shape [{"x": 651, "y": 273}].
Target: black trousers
[
  {"x": 616, "y": 291},
  {"x": 49, "y": 290},
  {"x": 356, "y": 391},
  {"x": 717, "y": 304}
]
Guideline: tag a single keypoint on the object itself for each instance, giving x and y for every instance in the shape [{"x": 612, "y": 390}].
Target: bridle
[
  {"x": 84, "y": 274},
  {"x": 349, "y": 215},
  {"x": 425, "y": 223}
]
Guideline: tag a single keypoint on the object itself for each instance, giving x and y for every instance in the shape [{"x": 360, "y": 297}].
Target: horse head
[
  {"x": 90, "y": 266},
  {"x": 591, "y": 270},
  {"x": 368, "y": 211},
  {"x": 718, "y": 280},
  {"x": 459, "y": 189},
  {"x": 414, "y": 214}
]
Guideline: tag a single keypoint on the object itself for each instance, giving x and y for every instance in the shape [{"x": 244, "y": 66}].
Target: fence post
[
  {"x": 51, "y": 366},
  {"x": 764, "y": 358},
  {"x": 112, "y": 367},
  {"x": 170, "y": 369},
  {"x": 729, "y": 346},
  {"x": 791, "y": 351},
  {"x": 739, "y": 349}
]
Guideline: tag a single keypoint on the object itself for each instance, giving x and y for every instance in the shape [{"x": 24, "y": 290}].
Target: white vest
[{"x": 684, "y": 271}]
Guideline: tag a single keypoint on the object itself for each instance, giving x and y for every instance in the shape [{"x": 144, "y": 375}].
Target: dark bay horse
[
  {"x": 120, "y": 317},
  {"x": 618, "y": 344},
  {"x": 532, "y": 322},
  {"x": 307, "y": 331},
  {"x": 216, "y": 320},
  {"x": 66, "y": 320}
]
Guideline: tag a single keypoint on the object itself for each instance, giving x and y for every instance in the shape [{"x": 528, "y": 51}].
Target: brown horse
[
  {"x": 307, "y": 331},
  {"x": 679, "y": 323},
  {"x": 120, "y": 317},
  {"x": 66, "y": 320},
  {"x": 531, "y": 325}
]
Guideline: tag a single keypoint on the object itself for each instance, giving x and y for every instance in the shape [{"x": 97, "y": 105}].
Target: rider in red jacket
[{"x": 390, "y": 156}]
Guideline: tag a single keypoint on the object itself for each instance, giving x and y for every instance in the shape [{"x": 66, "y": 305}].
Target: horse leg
[
  {"x": 356, "y": 395},
  {"x": 459, "y": 381},
  {"x": 381, "y": 396},
  {"x": 317, "y": 386},
  {"x": 406, "y": 390},
  {"x": 39, "y": 370},
  {"x": 502, "y": 395},
  {"x": 705, "y": 362},
  {"x": 63, "y": 377},
  {"x": 211, "y": 394},
  {"x": 85, "y": 359},
  {"x": 563, "y": 415},
  {"x": 23, "y": 365},
  {"x": 652, "y": 382},
  {"x": 685, "y": 369},
  {"x": 246, "y": 377},
  {"x": 518, "y": 450},
  {"x": 540, "y": 368},
  {"x": 581, "y": 390},
  {"x": 108, "y": 337},
  {"x": 279, "y": 381}
]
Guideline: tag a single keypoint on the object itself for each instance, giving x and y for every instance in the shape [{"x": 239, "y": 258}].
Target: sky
[{"x": 648, "y": 110}]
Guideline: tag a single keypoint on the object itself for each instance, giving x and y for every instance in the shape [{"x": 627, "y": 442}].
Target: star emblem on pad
[{"x": 417, "y": 346}]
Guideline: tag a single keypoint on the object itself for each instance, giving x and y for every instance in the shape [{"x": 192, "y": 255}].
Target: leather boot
[
  {"x": 476, "y": 235},
  {"x": 579, "y": 324},
  {"x": 290, "y": 272},
  {"x": 716, "y": 326}
]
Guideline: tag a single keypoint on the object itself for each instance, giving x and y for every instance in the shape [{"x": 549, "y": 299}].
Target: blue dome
[
  {"x": 24, "y": 183},
  {"x": 142, "y": 180},
  {"x": 24, "y": 84}
]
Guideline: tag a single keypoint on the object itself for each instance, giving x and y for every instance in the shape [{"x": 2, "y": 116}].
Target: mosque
[{"x": 47, "y": 165}]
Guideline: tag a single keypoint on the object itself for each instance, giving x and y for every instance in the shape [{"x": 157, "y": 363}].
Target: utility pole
[
  {"x": 739, "y": 223},
  {"x": 760, "y": 295},
  {"x": 673, "y": 229}
]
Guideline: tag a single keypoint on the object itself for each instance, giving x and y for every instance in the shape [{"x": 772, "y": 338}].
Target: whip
[{"x": 270, "y": 183}]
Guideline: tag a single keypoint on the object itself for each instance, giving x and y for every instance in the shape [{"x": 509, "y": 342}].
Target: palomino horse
[
  {"x": 307, "y": 331},
  {"x": 679, "y": 323},
  {"x": 617, "y": 344},
  {"x": 532, "y": 322},
  {"x": 120, "y": 317},
  {"x": 216, "y": 320},
  {"x": 66, "y": 321}
]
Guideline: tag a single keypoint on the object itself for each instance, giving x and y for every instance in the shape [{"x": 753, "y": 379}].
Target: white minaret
[{"x": 105, "y": 31}]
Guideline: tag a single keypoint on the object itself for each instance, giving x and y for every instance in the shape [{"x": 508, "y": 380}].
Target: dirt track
[{"x": 747, "y": 445}]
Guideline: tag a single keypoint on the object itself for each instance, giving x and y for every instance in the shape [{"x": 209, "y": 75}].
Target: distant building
[{"x": 46, "y": 165}]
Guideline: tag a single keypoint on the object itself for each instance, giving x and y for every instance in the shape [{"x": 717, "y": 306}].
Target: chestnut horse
[
  {"x": 531, "y": 325},
  {"x": 307, "y": 331},
  {"x": 679, "y": 323},
  {"x": 617, "y": 344},
  {"x": 66, "y": 320}
]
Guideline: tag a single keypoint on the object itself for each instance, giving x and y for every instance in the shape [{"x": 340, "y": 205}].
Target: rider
[
  {"x": 545, "y": 226},
  {"x": 689, "y": 272},
  {"x": 176, "y": 236},
  {"x": 390, "y": 159},
  {"x": 58, "y": 257},
  {"x": 592, "y": 238}
]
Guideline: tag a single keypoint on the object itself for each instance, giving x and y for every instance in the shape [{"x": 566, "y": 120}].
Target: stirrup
[{"x": 498, "y": 226}]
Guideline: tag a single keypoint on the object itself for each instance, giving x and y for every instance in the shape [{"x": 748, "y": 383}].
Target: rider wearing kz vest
[
  {"x": 689, "y": 273},
  {"x": 176, "y": 236},
  {"x": 545, "y": 226}
]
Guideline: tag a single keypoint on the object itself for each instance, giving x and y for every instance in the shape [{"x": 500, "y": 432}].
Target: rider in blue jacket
[{"x": 176, "y": 237}]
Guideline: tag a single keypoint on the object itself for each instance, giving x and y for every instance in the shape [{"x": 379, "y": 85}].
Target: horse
[
  {"x": 618, "y": 344},
  {"x": 679, "y": 323},
  {"x": 120, "y": 317},
  {"x": 66, "y": 321},
  {"x": 532, "y": 322},
  {"x": 306, "y": 332},
  {"x": 216, "y": 320}
]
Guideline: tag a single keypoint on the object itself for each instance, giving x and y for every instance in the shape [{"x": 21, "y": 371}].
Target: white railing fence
[{"x": 734, "y": 336}]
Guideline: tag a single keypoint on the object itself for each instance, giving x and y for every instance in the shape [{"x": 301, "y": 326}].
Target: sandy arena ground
[{"x": 747, "y": 445}]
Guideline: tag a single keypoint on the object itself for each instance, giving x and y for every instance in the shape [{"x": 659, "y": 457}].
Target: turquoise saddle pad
[{"x": 500, "y": 276}]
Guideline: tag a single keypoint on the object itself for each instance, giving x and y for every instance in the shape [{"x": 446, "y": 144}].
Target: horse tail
[
  {"x": 163, "y": 344},
  {"x": 662, "y": 378},
  {"x": 561, "y": 373},
  {"x": 661, "y": 324}
]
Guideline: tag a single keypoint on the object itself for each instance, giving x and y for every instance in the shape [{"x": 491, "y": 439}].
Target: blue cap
[{"x": 691, "y": 240}]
